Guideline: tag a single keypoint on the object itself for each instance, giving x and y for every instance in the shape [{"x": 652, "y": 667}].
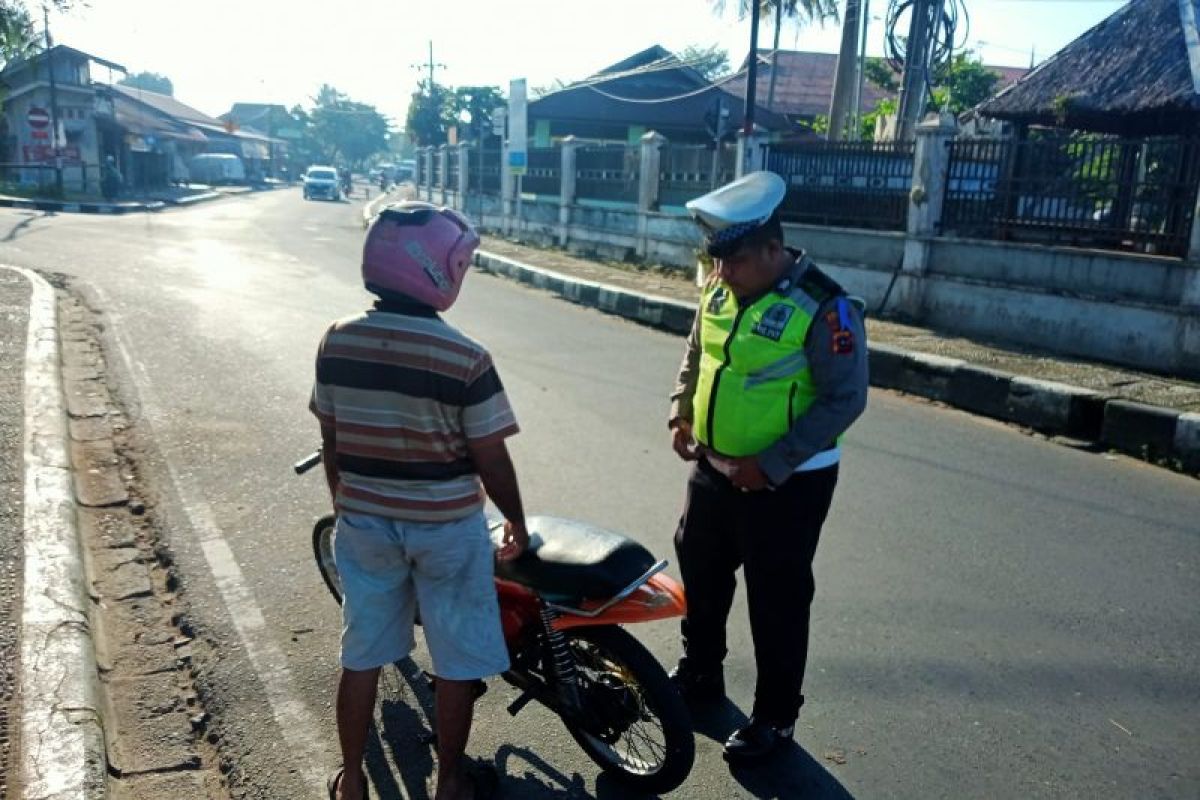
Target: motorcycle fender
[{"x": 661, "y": 597}]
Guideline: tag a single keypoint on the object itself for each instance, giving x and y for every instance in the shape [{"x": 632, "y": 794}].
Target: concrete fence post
[
  {"x": 931, "y": 162},
  {"x": 566, "y": 194},
  {"x": 464, "y": 174},
  {"x": 428, "y": 174},
  {"x": 506, "y": 190},
  {"x": 443, "y": 172},
  {"x": 751, "y": 153},
  {"x": 648, "y": 180}
]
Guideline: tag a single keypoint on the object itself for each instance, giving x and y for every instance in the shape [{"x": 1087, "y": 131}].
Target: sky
[{"x": 280, "y": 51}]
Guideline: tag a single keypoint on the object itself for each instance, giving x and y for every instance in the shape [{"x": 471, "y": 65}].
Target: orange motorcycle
[{"x": 563, "y": 603}]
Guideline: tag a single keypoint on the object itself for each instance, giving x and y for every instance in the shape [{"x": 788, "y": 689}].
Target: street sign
[
  {"x": 516, "y": 126},
  {"x": 37, "y": 117}
]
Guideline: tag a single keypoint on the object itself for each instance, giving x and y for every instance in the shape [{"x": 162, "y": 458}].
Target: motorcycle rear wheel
[{"x": 638, "y": 730}]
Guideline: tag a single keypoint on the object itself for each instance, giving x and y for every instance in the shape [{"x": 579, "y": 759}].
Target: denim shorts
[{"x": 390, "y": 567}]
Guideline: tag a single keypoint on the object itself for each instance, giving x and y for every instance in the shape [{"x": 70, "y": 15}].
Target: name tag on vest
[{"x": 774, "y": 320}]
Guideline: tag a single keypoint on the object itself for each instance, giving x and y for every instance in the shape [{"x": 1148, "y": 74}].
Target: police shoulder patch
[{"x": 716, "y": 300}]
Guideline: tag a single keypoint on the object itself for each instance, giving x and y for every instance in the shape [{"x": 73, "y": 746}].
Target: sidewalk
[{"x": 1104, "y": 407}]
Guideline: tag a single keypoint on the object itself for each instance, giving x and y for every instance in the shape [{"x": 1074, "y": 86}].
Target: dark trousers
[{"x": 773, "y": 536}]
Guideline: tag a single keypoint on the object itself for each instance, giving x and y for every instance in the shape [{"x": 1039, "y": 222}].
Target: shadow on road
[
  {"x": 400, "y": 762},
  {"x": 790, "y": 774}
]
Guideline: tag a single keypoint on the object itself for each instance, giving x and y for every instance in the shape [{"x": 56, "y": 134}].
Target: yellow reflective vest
[{"x": 754, "y": 378}]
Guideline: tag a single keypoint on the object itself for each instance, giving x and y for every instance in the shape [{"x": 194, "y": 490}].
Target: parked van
[{"x": 217, "y": 168}]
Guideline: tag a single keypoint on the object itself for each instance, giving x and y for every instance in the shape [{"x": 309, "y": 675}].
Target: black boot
[
  {"x": 756, "y": 741},
  {"x": 696, "y": 685}
]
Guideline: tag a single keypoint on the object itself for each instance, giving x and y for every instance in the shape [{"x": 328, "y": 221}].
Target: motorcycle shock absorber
[{"x": 562, "y": 662}]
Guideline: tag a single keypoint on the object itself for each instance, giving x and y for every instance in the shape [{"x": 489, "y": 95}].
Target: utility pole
[
  {"x": 915, "y": 81},
  {"x": 751, "y": 73},
  {"x": 58, "y": 173},
  {"x": 718, "y": 138},
  {"x": 430, "y": 65},
  {"x": 843, "y": 84},
  {"x": 856, "y": 113}
]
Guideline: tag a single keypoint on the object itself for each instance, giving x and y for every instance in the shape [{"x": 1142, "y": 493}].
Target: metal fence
[
  {"x": 607, "y": 173},
  {"x": 419, "y": 169},
  {"x": 435, "y": 173},
  {"x": 39, "y": 180},
  {"x": 543, "y": 173},
  {"x": 688, "y": 171},
  {"x": 1126, "y": 194},
  {"x": 452, "y": 169},
  {"x": 850, "y": 184},
  {"x": 485, "y": 174}
]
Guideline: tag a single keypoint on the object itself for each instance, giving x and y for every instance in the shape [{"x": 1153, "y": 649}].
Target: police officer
[{"x": 775, "y": 372}]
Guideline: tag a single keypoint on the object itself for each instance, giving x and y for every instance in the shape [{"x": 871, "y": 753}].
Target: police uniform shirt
[{"x": 836, "y": 349}]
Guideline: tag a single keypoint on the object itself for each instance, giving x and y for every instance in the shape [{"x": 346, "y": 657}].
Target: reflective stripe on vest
[{"x": 754, "y": 378}]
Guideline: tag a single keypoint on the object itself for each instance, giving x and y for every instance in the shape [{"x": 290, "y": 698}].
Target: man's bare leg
[
  {"x": 355, "y": 708},
  {"x": 454, "y": 702}
]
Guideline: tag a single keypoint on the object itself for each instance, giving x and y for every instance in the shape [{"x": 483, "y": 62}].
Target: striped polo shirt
[{"x": 405, "y": 393}]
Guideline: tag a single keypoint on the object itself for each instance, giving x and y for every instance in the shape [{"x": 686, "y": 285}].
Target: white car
[{"x": 322, "y": 182}]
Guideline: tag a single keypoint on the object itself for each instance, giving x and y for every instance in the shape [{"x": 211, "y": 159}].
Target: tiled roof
[
  {"x": 168, "y": 105},
  {"x": 804, "y": 83}
]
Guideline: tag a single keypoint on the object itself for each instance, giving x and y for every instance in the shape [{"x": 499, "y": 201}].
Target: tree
[
  {"x": 963, "y": 83},
  {"x": 342, "y": 130},
  {"x": 798, "y": 10},
  {"x": 879, "y": 72},
  {"x": 712, "y": 62},
  {"x": 430, "y": 114},
  {"x": 150, "y": 81},
  {"x": 18, "y": 38},
  {"x": 479, "y": 102}
]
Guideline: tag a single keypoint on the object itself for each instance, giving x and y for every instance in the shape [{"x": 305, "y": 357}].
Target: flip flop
[{"x": 332, "y": 785}]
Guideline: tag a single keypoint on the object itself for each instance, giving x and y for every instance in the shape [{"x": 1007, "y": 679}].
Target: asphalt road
[{"x": 996, "y": 616}]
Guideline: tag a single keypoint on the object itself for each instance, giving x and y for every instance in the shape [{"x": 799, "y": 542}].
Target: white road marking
[{"x": 296, "y": 722}]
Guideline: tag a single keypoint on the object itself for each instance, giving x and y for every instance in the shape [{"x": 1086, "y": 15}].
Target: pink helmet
[{"x": 419, "y": 250}]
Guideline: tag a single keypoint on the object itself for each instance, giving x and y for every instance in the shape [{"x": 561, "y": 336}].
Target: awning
[{"x": 136, "y": 120}]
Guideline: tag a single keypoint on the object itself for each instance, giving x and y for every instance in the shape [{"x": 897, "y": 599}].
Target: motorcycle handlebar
[{"x": 310, "y": 461}]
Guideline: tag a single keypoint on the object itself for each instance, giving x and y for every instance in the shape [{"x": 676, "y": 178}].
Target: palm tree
[{"x": 799, "y": 10}]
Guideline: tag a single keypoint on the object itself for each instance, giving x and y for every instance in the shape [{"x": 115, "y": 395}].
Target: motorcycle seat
[{"x": 574, "y": 560}]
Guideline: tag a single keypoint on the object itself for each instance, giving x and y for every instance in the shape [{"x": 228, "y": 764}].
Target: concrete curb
[
  {"x": 196, "y": 198},
  {"x": 1144, "y": 431},
  {"x": 1157, "y": 434},
  {"x": 125, "y": 208},
  {"x": 81, "y": 208},
  {"x": 62, "y": 730}
]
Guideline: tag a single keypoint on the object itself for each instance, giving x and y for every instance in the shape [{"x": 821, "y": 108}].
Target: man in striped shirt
[{"x": 413, "y": 420}]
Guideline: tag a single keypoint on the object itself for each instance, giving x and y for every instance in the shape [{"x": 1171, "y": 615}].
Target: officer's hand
[
  {"x": 516, "y": 539},
  {"x": 747, "y": 475},
  {"x": 683, "y": 443}
]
